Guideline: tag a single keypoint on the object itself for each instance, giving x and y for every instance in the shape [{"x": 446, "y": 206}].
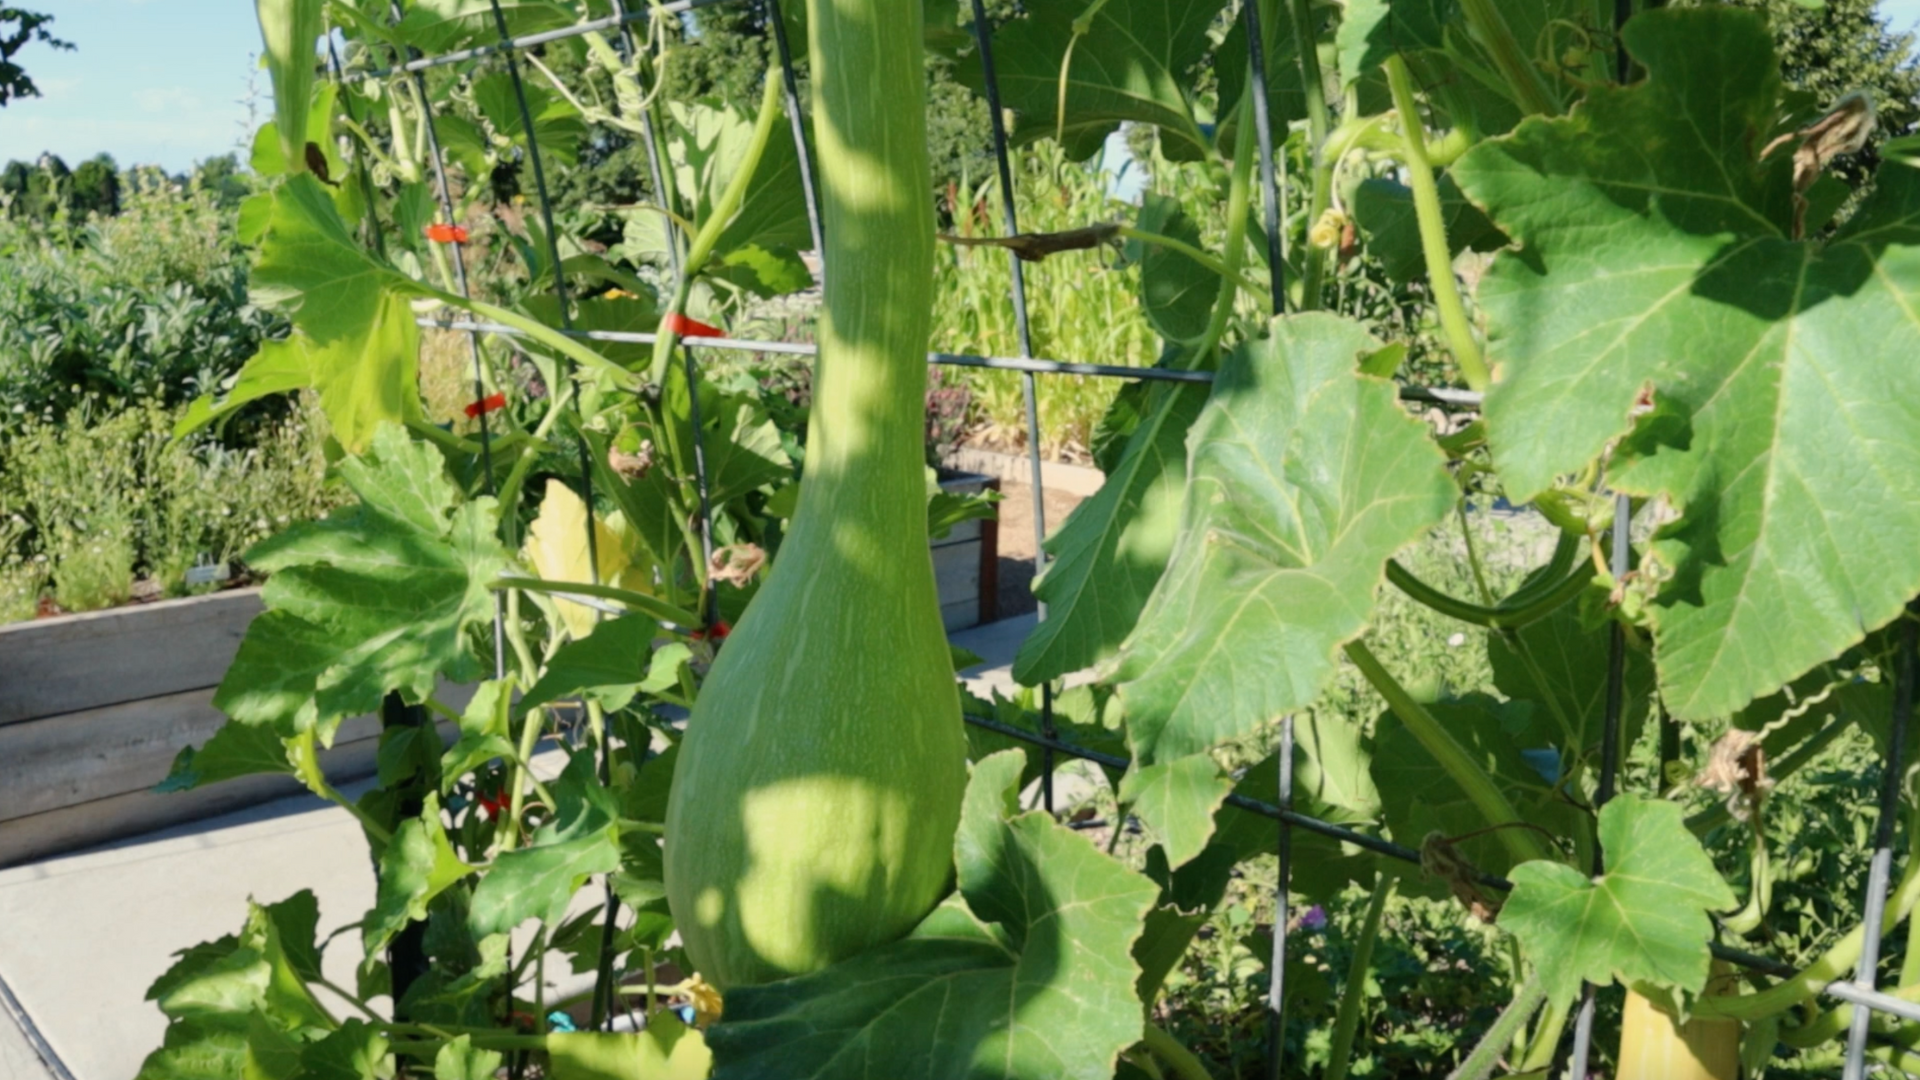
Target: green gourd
[{"x": 819, "y": 784}]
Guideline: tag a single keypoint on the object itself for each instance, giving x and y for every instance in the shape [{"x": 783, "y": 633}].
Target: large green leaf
[
  {"x": 539, "y": 880},
  {"x": 435, "y": 26},
  {"x": 1559, "y": 666},
  {"x": 1024, "y": 974},
  {"x": 1655, "y": 259},
  {"x": 1304, "y": 477},
  {"x": 1419, "y": 798},
  {"x": 1176, "y": 801},
  {"x": 1131, "y": 65},
  {"x": 758, "y": 247},
  {"x": 1384, "y": 210},
  {"x": 418, "y": 865},
  {"x": 1372, "y": 30},
  {"x": 234, "y": 751},
  {"x": 354, "y": 341},
  {"x": 377, "y": 598},
  {"x": 1177, "y": 294},
  {"x": 607, "y": 666},
  {"x": 1643, "y": 921},
  {"x": 557, "y": 126},
  {"x": 1113, "y": 547}
]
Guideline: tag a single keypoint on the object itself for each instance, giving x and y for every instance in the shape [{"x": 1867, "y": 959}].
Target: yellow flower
[
  {"x": 1326, "y": 232},
  {"x": 705, "y": 1001}
]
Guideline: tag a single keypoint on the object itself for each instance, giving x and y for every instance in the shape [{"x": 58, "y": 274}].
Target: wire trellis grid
[{"x": 1860, "y": 991}]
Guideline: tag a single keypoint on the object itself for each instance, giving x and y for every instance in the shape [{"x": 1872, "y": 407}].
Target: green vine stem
[
  {"x": 1501, "y": 616},
  {"x": 1834, "y": 1022},
  {"x": 1760, "y": 892},
  {"x": 1546, "y": 1036},
  {"x": 1836, "y": 963},
  {"x": 1433, "y": 230},
  {"x": 1486, "y": 1055},
  {"x": 725, "y": 207},
  {"x": 1306, "y": 43},
  {"x": 1353, "y": 991},
  {"x": 1239, "y": 203},
  {"x": 1181, "y": 247},
  {"x": 1175, "y": 1056},
  {"x": 1910, "y": 964},
  {"x": 1490, "y": 29},
  {"x": 649, "y": 605},
  {"x": 1524, "y": 845},
  {"x": 304, "y": 752}
]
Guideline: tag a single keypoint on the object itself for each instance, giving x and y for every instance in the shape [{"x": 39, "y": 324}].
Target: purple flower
[{"x": 1314, "y": 918}]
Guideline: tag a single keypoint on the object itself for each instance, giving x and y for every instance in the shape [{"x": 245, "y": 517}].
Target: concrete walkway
[{"x": 83, "y": 935}]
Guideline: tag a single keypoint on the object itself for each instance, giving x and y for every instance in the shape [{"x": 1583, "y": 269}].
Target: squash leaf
[
  {"x": 461, "y": 1060},
  {"x": 354, "y": 340},
  {"x": 436, "y": 26},
  {"x": 1131, "y": 65},
  {"x": 1303, "y": 477},
  {"x": 539, "y": 880},
  {"x": 378, "y": 597},
  {"x": 557, "y": 550},
  {"x": 557, "y": 125},
  {"x": 1418, "y": 797},
  {"x": 1025, "y": 973},
  {"x": 1656, "y": 259},
  {"x": 1176, "y": 293},
  {"x": 418, "y": 865},
  {"x": 1644, "y": 921},
  {"x": 1176, "y": 800},
  {"x": 1384, "y": 211},
  {"x": 1113, "y": 547}
]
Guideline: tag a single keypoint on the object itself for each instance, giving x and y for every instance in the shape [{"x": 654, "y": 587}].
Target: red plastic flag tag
[
  {"x": 685, "y": 327},
  {"x": 446, "y": 234},
  {"x": 487, "y": 404}
]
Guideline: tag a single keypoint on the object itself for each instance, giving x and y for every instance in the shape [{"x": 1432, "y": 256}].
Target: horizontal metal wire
[
  {"x": 528, "y": 41},
  {"x": 1855, "y": 994},
  {"x": 1404, "y": 854},
  {"x": 1438, "y": 395}
]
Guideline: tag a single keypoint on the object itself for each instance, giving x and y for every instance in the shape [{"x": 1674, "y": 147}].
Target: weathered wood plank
[
  {"x": 99, "y": 753},
  {"x": 956, "y": 572},
  {"x": 133, "y": 813},
  {"x": 53, "y": 666}
]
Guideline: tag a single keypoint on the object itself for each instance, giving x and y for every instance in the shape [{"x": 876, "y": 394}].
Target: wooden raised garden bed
[{"x": 93, "y": 708}]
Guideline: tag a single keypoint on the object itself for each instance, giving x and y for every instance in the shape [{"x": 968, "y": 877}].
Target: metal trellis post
[{"x": 983, "y": 39}]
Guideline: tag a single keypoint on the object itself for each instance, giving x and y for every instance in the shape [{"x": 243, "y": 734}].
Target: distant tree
[
  {"x": 1842, "y": 46},
  {"x": 13, "y": 187},
  {"x": 47, "y": 187},
  {"x": 18, "y": 29},
  {"x": 95, "y": 188},
  {"x": 221, "y": 177}
]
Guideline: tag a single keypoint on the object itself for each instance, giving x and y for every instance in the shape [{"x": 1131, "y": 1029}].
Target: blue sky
[{"x": 167, "y": 81}]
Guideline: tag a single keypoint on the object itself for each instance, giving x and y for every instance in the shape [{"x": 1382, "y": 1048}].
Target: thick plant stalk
[
  {"x": 818, "y": 787},
  {"x": 1486, "y": 1056},
  {"x": 1529, "y": 86},
  {"x": 288, "y": 30},
  {"x": 1318, "y": 125},
  {"x": 1354, "y": 994},
  {"x": 1433, "y": 231},
  {"x": 724, "y": 209}
]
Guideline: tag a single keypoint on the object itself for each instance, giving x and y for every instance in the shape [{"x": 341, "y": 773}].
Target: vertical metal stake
[
  {"x": 1609, "y": 756},
  {"x": 1881, "y": 869},
  {"x": 796, "y": 120},
  {"x": 473, "y": 338},
  {"x": 983, "y": 37},
  {"x": 1277, "y": 970}
]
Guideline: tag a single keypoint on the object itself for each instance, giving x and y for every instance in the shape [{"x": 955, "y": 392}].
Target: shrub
[{"x": 102, "y": 496}]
